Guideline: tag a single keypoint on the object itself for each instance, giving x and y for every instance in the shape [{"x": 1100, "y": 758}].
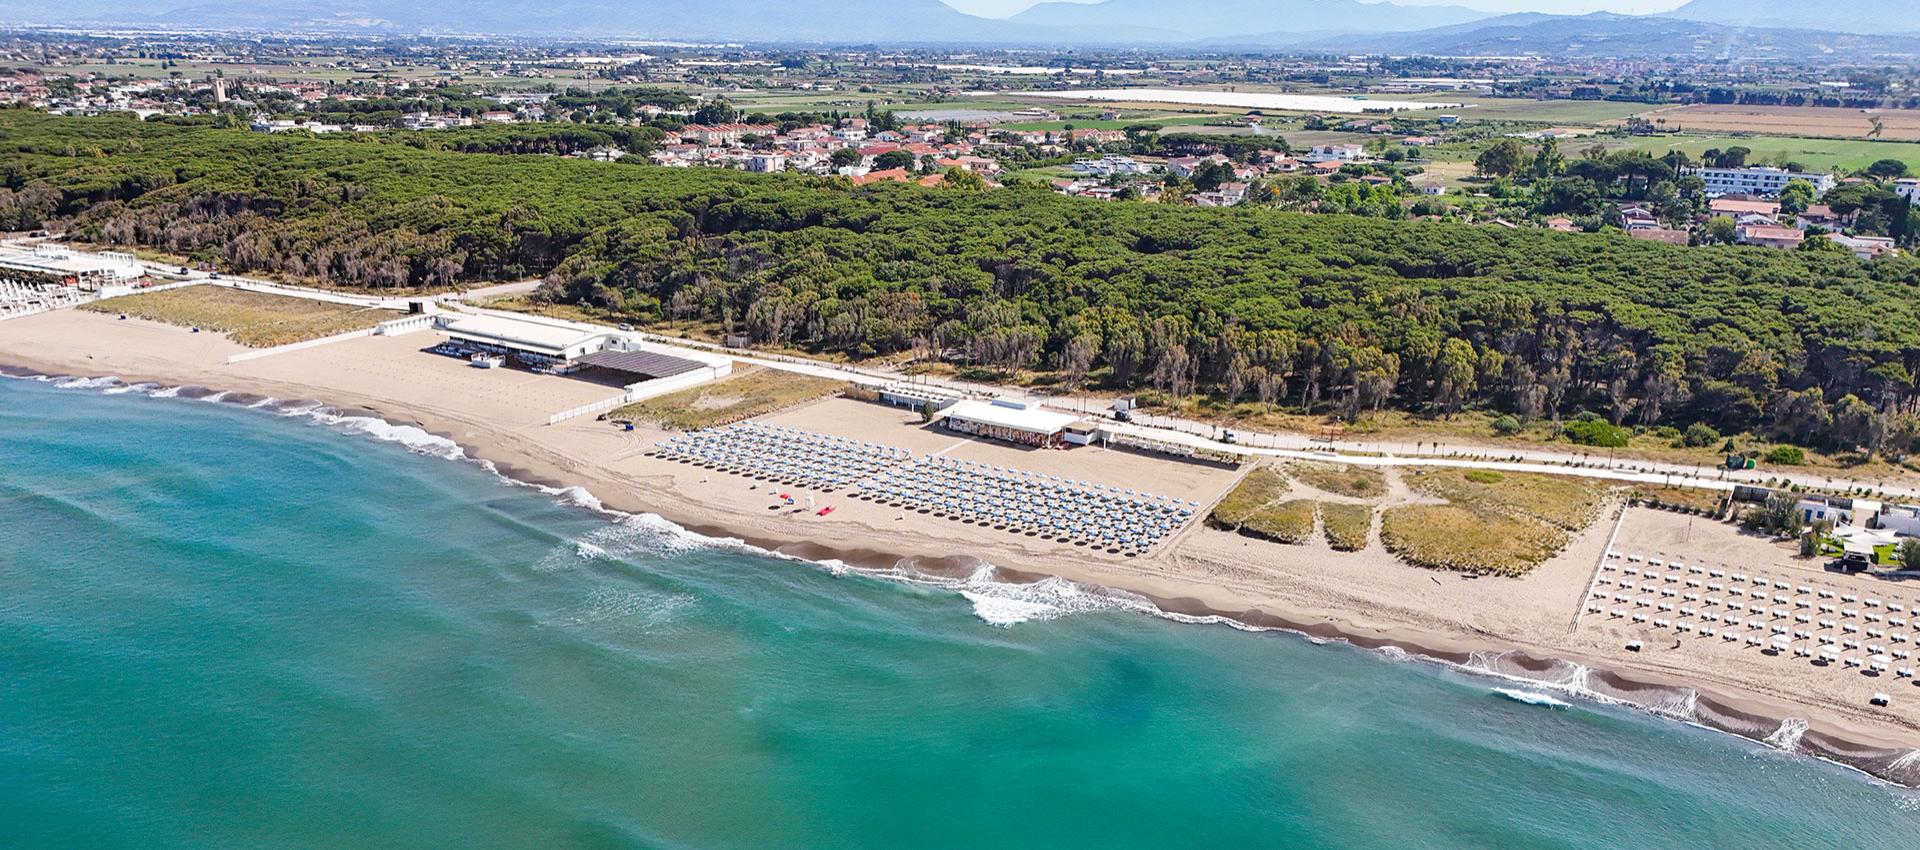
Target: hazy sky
[{"x": 1002, "y": 8}]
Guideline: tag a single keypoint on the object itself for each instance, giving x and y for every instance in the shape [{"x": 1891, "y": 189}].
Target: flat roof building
[
  {"x": 1764, "y": 181},
  {"x": 532, "y": 342},
  {"x": 58, "y": 263},
  {"x": 1011, "y": 420}
]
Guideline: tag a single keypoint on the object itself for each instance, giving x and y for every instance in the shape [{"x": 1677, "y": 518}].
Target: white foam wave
[
  {"x": 1787, "y": 737},
  {"x": 215, "y": 398},
  {"x": 164, "y": 392},
  {"x": 268, "y": 401},
  {"x": 1532, "y": 698},
  {"x": 76, "y": 383},
  {"x": 414, "y": 439},
  {"x": 143, "y": 388}
]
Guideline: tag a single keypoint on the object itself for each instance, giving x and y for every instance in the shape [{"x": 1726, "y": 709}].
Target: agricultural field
[
  {"x": 1576, "y": 112},
  {"x": 1816, "y": 154},
  {"x": 252, "y": 319},
  {"x": 744, "y": 394},
  {"x": 1792, "y": 121}
]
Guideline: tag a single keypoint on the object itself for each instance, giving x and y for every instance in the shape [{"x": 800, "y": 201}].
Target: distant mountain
[
  {"x": 1869, "y": 17},
  {"x": 1608, "y": 35},
  {"x": 839, "y": 21},
  {"x": 1209, "y": 19}
]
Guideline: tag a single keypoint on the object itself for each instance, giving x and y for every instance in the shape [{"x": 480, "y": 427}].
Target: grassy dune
[
  {"x": 1357, "y": 482},
  {"x": 1493, "y": 522},
  {"x": 249, "y": 318},
  {"x": 1346, "y": 525},
  {"x": 744, "y": 394}
]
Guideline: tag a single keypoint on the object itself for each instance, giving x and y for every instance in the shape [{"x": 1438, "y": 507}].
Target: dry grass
[
  {"x": 1561, "y": 501},
  {"x": 1689, "y": 498},
  {"x": 1452, "y": 538},
  {"x": 1347, "y": 525},
  {"x": 1288, "y": 522},
  {"x": 1256, "y": 491},
  {"x": 1503, "y": 523},
  {"x": 743, "y": 395},
  {"x": 249, "y": 318},
  {"x": 1355, "y": 481}
]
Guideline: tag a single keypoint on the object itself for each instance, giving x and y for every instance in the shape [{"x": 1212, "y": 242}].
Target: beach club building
[
  {"x": 60, "y": 264},
  {"x": 1017, "y": 421},
  {"x": 608, "y": 356},
  {"x": 554, "y": 347}
]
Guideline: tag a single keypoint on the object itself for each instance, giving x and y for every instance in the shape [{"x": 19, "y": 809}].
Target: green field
[
  {"x": 1820, "y": 154},
  {"x": 1576, "y": 112}
]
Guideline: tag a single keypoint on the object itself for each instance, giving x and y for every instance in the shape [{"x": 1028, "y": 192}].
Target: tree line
[{"x": 1329, "y": 313}]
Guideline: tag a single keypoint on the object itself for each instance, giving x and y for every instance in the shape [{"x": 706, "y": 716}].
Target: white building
[
  {"x": 530, "y": 340},
  {"x": 1764, "y": 181},
  {"x": 1335, "y": 153},
  {"x": 1011, "y": 420},
  {"x": 766, "y": 163},
  {"x": 1108, "y": 166},
  {"x": 62, "y": 264},
  {"x": 1909, "y": 188}
]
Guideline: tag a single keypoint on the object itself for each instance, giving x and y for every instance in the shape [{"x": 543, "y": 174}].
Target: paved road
[{"x": 1187, "y": 432}]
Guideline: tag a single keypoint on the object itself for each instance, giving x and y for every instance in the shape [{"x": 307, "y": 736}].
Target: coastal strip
[{"x": 1042, "y": 593}]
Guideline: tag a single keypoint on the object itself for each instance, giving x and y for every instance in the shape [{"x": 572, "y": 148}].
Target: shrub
[
  {"x": 1484, "y": 476},
  {"x": 1506, "y": 426},
  {"x": 1595, "y": 431},
  {"x": 1786, "y": 456},
  {"x": 1700, "y": 435}
]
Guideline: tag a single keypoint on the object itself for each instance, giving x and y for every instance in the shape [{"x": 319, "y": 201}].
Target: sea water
[{"x": 226, "y": 628}]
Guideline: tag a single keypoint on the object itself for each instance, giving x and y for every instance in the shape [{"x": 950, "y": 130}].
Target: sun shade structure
[{"x": 645, "y": 364}]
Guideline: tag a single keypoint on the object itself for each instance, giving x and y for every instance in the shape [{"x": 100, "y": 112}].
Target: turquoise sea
[{"x": 226, "y": 628}]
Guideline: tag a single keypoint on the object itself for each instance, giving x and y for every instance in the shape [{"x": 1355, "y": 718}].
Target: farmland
[
  {"x": 1814, "y": 154},
  {"x": 1804, "y": 121}
]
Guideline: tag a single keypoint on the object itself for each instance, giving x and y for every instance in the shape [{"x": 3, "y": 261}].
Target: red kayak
[{"x": 824, "y": 511}]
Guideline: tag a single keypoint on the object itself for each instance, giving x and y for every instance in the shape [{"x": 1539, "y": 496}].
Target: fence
[{"x": 296, "y": 346}]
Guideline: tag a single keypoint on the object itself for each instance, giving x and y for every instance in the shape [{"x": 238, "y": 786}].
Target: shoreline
[{"x": 1754, "y": 717}]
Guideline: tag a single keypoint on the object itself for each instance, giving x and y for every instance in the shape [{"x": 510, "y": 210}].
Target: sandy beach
[{"x": 1531, "y": 627}]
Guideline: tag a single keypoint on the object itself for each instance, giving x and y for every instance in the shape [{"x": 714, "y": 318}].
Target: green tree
[
  {"x": 1501, "y": 160},
  {"x": 1721, "y": 230},
  {"x": 1908, "y": 554},
  {"x": 893, "y": 159},
  {"x": 1796, "y": 197},
  {"x": 1887, "y": 169},
  {"x": 1548, "y": 161}
]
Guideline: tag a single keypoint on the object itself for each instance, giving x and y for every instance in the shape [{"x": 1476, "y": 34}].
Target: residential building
[
  {"x": 1335, "y": 153},
  {"x": 1662, "y": 234},
  {"x": 1769, "y": 236},
  {"x": 1864, "y": 247},
  {"x": 1764, "y": 181}
]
